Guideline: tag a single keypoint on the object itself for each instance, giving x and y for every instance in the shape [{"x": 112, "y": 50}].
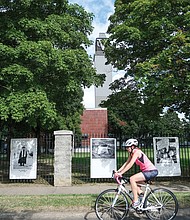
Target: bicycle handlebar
[{"x": 119, "y": 178}]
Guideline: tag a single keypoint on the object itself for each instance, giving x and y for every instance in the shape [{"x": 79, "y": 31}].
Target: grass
[
  {"x": 45, "y": 202},
  {"x": 183, "y": 199},
  {"x": 62, "y": 202}
]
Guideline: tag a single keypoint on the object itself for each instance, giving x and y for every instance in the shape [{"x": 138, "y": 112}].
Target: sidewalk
[
  {"x": 40, "y": 189},
  {"x": 49, "y": 190}
]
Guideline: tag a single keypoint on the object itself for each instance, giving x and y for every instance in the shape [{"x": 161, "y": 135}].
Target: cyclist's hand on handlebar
[{"x": 117, "y": 174}]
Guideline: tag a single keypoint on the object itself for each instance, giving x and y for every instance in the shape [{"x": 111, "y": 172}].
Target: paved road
[{"x": 85, "y": 215}]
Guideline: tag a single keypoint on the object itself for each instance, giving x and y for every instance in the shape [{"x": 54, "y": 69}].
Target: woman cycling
[{"x": 148, "y": 170}]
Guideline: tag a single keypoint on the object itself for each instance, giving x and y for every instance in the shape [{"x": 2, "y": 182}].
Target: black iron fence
[
  {"x": 45, "y": 162},
  {"x": 81, "y": 157}
]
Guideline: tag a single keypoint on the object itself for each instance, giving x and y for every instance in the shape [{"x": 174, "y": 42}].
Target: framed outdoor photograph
[
  {"x": 166, "y": 156},
  {"x": 23, "y": 158},
  {"x": 103, "y": 157}
]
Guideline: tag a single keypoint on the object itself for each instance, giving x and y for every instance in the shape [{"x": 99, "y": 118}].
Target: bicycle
[{"x": 158, "y": 203}]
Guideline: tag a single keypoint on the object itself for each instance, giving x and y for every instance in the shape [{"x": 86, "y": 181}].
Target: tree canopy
[
  {"x": 124, "y": 107},
  {"x": 44, "y": 64},
  {"x": 129, "y": 116},
  {"x": 150, "y": 39}
]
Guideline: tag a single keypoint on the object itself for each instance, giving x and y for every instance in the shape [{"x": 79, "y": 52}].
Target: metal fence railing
[
  {"x": 81, "y": 157},
  {"x": 45, "y": 162}
]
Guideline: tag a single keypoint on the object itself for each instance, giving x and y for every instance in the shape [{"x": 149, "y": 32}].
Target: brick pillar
[{"x": 62, "y": 158}]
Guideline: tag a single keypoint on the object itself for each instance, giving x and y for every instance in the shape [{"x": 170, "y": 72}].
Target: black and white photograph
[
  {"x": 23, "y": 158},
  {"x": 103, "y": 157},
  {"x": 167, "y": 156},
  {"x": 103, "y": 148}
]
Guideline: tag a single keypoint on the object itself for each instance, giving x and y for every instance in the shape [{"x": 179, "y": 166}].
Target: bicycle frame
[
  {"x": 148, "y": 189},
  {"x": 158, "y": 203}
]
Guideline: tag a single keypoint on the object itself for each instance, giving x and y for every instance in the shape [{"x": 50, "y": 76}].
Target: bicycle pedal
[{"x": 138, "y": 211}]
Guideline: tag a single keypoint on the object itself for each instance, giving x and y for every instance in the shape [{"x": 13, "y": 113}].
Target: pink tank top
[{"x": 144, "y": 163}]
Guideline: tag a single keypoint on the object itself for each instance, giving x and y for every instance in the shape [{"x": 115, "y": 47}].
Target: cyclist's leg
[
  {"x": 139, "y": 189},
  {"x": 139, "y": 177}
]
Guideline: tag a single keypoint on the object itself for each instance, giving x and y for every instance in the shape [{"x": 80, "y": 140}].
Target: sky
[{"x": 101, "y": 9}]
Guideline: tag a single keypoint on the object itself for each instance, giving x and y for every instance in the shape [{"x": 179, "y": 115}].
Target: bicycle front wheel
[
  {"x": 161, "y": 204},
  {"x": 111, "y": 205}
]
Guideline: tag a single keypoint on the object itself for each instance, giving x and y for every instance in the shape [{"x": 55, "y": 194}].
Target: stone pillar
[{"x": 62, "y": 158}]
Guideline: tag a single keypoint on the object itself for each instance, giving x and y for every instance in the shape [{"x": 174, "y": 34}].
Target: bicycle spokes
[
  {"x": 161, "y": 204},
  {"x": 110, "y": 205}
]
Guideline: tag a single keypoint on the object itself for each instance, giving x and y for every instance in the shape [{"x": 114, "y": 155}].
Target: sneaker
[{"x": 135, "y": 204}]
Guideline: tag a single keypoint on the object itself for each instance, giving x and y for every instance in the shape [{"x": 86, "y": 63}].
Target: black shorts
[{"x": 150, "y": 174}]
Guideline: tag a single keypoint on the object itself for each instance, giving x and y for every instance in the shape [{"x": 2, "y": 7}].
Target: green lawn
[
  {"x": 45, "y": 202},
  {"x": 59, "y": 202}
]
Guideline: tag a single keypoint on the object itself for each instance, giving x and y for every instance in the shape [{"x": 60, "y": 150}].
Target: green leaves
[
  {"x": 15, "y": 74},
  {"x": 28, "y": 106},
  {"x": 150, "y": 40},
  {"x": 44, "y": 65}
]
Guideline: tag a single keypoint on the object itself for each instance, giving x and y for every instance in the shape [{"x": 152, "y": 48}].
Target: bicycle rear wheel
[
  {"x": 111, "y": 205},
  {"x": 162, "y": 203}
]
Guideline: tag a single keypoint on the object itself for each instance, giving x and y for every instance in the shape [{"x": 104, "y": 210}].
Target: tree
[
  {"x": 151, "y": 41},
  {"x": 129, "y": 116},
  {"x": 44, "y": 64},
  {"x": 169, "y": 124},
  {"x": 125, "y": 109}
]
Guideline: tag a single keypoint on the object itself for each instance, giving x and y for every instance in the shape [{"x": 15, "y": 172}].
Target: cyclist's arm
[
  {"x": 122, "y": 167},
  {"x": 128, "y": 166}
]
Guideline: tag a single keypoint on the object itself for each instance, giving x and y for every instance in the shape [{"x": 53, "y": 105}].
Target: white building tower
[{"x": 102, "y": 92}]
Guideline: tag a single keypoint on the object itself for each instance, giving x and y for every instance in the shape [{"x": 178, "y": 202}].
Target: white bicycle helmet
[{"x": 131, "y": 142}]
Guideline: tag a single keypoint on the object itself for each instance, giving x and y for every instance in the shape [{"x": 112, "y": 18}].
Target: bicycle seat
[{"x": 149, "y": 181}]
